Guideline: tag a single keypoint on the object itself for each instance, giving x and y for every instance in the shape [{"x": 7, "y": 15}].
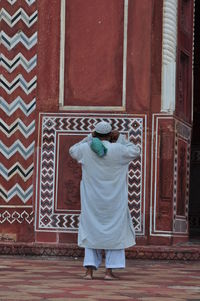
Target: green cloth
[{"x": 98, "y": 147}]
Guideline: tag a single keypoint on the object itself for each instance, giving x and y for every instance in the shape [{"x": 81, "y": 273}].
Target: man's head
[{"x": 103, "y": 130}]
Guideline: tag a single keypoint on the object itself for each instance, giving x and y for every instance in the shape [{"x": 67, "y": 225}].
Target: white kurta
[{"x": 105, "y": 221}]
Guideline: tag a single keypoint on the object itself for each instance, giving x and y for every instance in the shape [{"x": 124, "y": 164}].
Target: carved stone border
[
  {"x": 51, "y": 126},
  {"x": 182, "y": 131}
]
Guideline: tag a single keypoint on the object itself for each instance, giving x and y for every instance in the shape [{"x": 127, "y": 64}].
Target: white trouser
[{"x": 114, "y": 259}]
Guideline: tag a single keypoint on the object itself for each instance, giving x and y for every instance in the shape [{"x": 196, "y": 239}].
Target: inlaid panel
[
  {"x": 170, "y": 166},
  {"x": 18, "y": 84},
  {"x": 58, "y": 196},
  {"x": 93, "y": 54}
]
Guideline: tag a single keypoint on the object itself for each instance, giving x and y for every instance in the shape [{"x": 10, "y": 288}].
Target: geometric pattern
[
  {"x": 17, "y": 104},
  {"x": 183, "y": 132},
  {"x": 18, "y": 124},
  {"x": 16, "y": 190},
  {"x": 17, "y": 168},
  {"x": 16, "y": 147},
  {"x": 10, "y": 42},
  {"x": 19, "y": 59},
  {"x": 16, "y": 216},
  {"x": 29, "y": 2},
  {"x": 75, "y": 124},
  {"x": 18, "y": 82},
  {"x": 19, "y": 15}
]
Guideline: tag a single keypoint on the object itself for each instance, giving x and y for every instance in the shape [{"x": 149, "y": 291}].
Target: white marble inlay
[{"x": 169, "y": 56}]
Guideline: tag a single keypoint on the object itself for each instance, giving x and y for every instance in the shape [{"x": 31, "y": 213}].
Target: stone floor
[{"x": 36, "y": 278}]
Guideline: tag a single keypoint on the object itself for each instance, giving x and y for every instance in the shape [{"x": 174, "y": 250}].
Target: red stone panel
[
  {"x": 94, "y": 52},
  {"x": 139, "y": 56},
  {"x": 68, "y": 175},
  {"x": 156, "y": 55},
  {"x": 165, "y": 176},
  {"x": 48, "y": 55},
  {"x": 46, "y": 237},
  {"x": 184, "y": 87},
  {"x": 184, "y": 60},
  {"x": 68, "y": 238},
  {"x": 162, "y": 176},
  {"x": 182, "y": 177}
]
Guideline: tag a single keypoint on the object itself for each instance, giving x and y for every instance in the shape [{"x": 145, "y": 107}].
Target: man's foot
[
  {"x": 89, "y": 274},
  {"x": 110, "y": 276}
]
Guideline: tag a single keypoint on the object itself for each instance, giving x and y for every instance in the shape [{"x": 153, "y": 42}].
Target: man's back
[{"x": 105, "y": 219}]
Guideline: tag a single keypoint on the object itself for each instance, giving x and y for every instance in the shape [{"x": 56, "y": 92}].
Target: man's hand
[{"x": 114, "y": 136}]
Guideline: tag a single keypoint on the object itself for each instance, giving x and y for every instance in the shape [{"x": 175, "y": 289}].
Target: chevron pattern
[
  {"x": 29, "y": 2},
  {"x": 18, "y": 60},
  {"x": 16, "y": 190},
  {"x": 16, "y": 169},
  {"x": 19, "y": 37},
  {"x": 9, "y": 130},
  {"x": 19, "y": 15},
  {"x": 75, "y": 125},
  {"x": 16, "y": 147},
  {"x": 19, "y": 81},
  {"x": 16, "y": 104}
]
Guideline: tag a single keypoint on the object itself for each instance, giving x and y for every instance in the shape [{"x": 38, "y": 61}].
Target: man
[{"x": 105, "y": 222}]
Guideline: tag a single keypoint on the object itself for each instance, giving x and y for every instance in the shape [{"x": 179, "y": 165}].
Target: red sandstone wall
[{"x": 93, "y": 76}]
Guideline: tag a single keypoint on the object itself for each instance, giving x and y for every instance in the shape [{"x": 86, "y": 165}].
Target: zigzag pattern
[
  {"x": 9, "y": 130},
  {"x": 29, "y": 2},
  {"x": 16, "y": 169},
  {"x": 51, "y": 126},
  {"x": 16, "y": 104},
  {"x": 19, "y": 81},
  {"x": 17, "y": 146},
  {"x": 133, "y": 127},
  {"x": 21, "y": 20},
  {"x": 19, "y": 59},
  {"x": 19, "y": 15},
  {"x": 16, "y": 190},
  {"x": 20, "y": 37}
]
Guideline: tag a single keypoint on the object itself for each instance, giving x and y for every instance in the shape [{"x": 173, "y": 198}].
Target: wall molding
[{"x": 169, "y": 45}]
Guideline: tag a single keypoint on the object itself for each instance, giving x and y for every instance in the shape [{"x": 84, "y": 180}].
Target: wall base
[{"x": 187, "y": 252}]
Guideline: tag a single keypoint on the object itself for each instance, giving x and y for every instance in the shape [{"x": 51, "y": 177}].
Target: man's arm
[
  {"x": 122, "y": 139},
  {"x": 75, "y": 150},
  {"x": 130, "y": 151}
]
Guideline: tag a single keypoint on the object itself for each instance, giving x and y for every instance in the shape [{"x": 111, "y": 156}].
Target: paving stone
[{"x": 49, "y": 279}]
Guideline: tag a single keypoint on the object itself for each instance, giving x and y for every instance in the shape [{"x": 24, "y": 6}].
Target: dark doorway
[{"x": 194, "y": 202}]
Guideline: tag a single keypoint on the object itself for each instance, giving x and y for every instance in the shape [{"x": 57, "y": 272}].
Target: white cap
[{"x": 103, "y": 127}]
